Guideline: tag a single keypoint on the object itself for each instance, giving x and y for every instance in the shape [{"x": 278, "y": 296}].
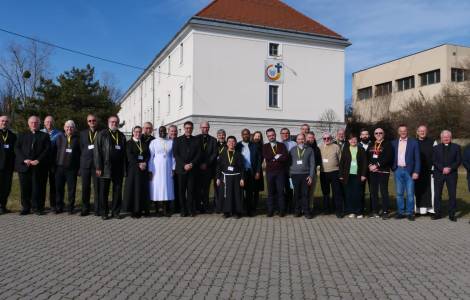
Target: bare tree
[
  {"x": 109, "y": 81},
  {"x": 21, "y": 68},
  {"x": 327, "y": 119}
]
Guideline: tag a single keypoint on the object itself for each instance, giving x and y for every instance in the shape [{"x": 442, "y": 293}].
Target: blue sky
[{"x": 134, "y": 31}]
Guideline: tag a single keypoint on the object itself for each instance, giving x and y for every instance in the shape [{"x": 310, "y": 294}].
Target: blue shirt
[
  {"x": 52, "y": 135},
  {"x": 246, "y": 155}
]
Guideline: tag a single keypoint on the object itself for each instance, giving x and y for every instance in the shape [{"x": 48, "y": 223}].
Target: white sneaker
[
  {"x": 360, "y": 216},
  {"x": 351, "y": 216}
]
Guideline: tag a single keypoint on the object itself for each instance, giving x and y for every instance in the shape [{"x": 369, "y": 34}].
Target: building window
[
  {"x": 169, "y": 65},
  {"x": 459, "y": 75},
  {"x": 181, "y": 95},
  {"x": 181, "y": 53},
  {"x": 274, "y": 49},
  {"x": 383, "y": 89},
  {"x": 273, "y": 96},
  {"x": 430, "y": 77},
  {"x": 365, "y": 93},
  {"x": 406, "y": 83},
  {"x": 169, "y": 104}
]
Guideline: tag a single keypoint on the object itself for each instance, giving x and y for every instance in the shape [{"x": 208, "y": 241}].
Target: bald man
[
  {"x": 32, "y": 157},
  {"x": 7, "y": 161},
  {"x": 53, "y": 134}
]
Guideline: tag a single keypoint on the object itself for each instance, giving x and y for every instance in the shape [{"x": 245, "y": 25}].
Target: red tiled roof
[{"x": 267, "y": 13}]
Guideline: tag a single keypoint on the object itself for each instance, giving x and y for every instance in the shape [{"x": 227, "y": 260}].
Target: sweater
[{"x": 307, "y": 157}]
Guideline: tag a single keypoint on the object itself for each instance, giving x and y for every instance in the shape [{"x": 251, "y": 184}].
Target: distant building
[
  {"x": 387, "y": 87},
  {"x": 242, "y": 63}
]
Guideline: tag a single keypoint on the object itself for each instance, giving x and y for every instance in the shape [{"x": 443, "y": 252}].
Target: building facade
[
  {"x": 389, "y": 86},
  {"x": 236, "y": 72}
]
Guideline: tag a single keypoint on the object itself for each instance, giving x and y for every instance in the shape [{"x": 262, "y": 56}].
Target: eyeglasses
[
  {"x": 326, "y": 139},
  {"x": 378, "y": 133},
  {"x": 91, "y": 121}
]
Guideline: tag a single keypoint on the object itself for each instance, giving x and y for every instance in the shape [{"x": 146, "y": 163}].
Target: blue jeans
[{"x": 404, "y": 182}]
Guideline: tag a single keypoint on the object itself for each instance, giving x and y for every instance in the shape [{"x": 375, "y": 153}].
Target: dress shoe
[
  {"x": 308, "y": 216},
  {"x": 453, "y": 218},
  {"x": 105, "y": 217},
  {"x": 435, "y": 217},
  {"x": 282, "y": 215},
  {"x": 298, "y": 215},
  {"x": 183, "y": 215},
  {"x": 339, "y": 215},
  {"x": 4, "y": 211},
  {"x": 226, "y": 215},
  {"x": 24, "y": 212},
  {"x": 58, "y": 211},
  {"x": 40, "y": 213},
  {"x": 385, "y": 216},
  {"x": 118, "y": 216},
  {"x": 270, "y": 215},
  {"x": 238, "y": 216},
  {"x": 399, "y": 216},
  {"x": 411, "y": 217},
  {"x": 84, "y": 213},
  {"x": 192, "y": 215}
]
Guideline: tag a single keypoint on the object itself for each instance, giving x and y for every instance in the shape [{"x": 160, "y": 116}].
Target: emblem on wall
[{"x": 274, "y": 71}]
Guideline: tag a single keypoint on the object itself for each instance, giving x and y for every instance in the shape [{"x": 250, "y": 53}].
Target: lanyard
[
  {"x": 377, "y": 148},
  {"x": 115, "y": 138},
  {"x": 139, "y": 146},
  {"x": 299, "y": 153},
  {"x": 5, "y": 137},
  {"x": 221, "y": 149},
  {"x": 274, "y": 149},
  {"x": 230, "y": 161},
  {"x": 92, "y": 138},
  {"x": 69, "y": 141}
]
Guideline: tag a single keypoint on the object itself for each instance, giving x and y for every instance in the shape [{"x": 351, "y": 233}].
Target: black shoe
[
  {"x": 40, "y": 213},
  {"x": 237, "y": 216},
  {"x": 270, "y": 215},
  {"x": 183, "y": 215},
  {"x": 339, "y": 216},
  {"x": 192, "y": 215},
  {"x": 97, "y": 214},
  {"x": 226, "y": 215},
  {"x": 105, "y": 217},
  {"x": 58, "y": 211},
  {"x": 24, "y": 212},
  {"x": 298, "y": 215},
  {"x": 308, "y": 216},
  {"x": 282, "y": 215},
  {"x": 399, "y": 216},
  {"x": 435, "y": 217},
  {"x": 411, "y": 217},
  {"x": 4, "y": 211},
  {"x": 71, "y": 212},
  {"x": 385, "y": 216},
  {"x": 118, "y": 216},
  {"x": 84, "y": 213},
  {"x": 453, "y": 218}
]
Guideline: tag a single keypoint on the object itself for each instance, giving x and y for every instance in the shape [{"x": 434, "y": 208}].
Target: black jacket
[
  {"x": 345, "y": 163},
  {"x": 186, "y": 150},
  {"x": 7, "y": 150},
  {"x": 87, "y": 139},
  {"x": 64, "y": 158},
  {"x": 33, "y": 146},
  {"x": 208, "y": 150},
  {"x": 255, "y": 156},
  {"x": 134, "y": 157},
  {"x": 381, "y": 155},
  {"x": 102, "y": 153},
  {"x": 317, "y": 153},
  {"x": 223, "y": 165},
  {"x": 446, "y": 158},
  {"x": 426, "y": 153}
]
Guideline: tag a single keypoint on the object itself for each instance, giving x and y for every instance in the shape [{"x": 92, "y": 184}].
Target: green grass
[{"x": 463, "y": 196}]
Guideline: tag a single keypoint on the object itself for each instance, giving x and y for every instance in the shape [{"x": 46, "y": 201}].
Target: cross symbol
[{"x": 278, "y": 67}]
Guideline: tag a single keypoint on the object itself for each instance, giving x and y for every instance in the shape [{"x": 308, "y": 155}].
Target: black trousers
[
  {"x": 301, "y": 193},
  {"x": 288, "y": 196},
  {"x": 248, "y": 192},
  {"x": 6, "y": 177},
  {"x": 65, "y": 176},
  {"x": 116, "y": 203},
  {"x": 276, "y": 184},
  {"x": 353, "y": 191},
  {"x": 379, "y": 182},
  {"x": 89, "y": 176},
  {"x": 186, "y": 192},
  {"x": 52, "y": 188},
  {"x": 233, "y": 194},
  {"x": 330, "y": 181},
  {"x": 32, "y": 187},
  {"x": 451, "y": 181},
  {"x": 218, "y": 197},
  {"x": 204, "y": 180}
]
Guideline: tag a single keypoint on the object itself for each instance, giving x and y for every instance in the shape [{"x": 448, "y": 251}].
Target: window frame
[
  {"x": 279, "y": 97},
  {"x": 279, "y": 49}
]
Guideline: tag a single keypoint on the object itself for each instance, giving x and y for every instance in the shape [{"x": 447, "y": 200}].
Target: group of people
[{"x": 154, "y": 171}]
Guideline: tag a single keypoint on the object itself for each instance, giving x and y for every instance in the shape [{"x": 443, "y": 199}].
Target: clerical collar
[
  {"x": 446, "y": 144},
  {"x": 273, "y": 143},
  {"x": 135, "y": 140}
]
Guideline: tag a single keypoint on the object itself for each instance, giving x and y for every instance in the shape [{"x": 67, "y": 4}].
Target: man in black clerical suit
[
  {"x": 206, "y": 169},
  {"x": 7, "y": 162},
  {"x": 187, "y": 151},
  {"x": 32, "y": 155}
]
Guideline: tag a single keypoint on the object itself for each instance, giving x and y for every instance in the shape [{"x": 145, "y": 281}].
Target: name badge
[
  {"x": 230, "y": 168},
  {"x": 6, "y": 146},
  {"x": 117, "y": 147},
  {"x": 68, "y": 150},
  {"x": 299, "y": 162},
  {"x": 375, "y": 156},
  {"x": 277, "y": 156},
  {"x": 91, "y": 147},
  {"x": 353, "y": 163},
  {"x": 140, "y": 157},
  {"x": 325, "y": 160}
]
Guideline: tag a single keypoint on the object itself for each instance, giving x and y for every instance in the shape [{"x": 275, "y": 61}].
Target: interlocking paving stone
[{"x": 208, "y": 257}]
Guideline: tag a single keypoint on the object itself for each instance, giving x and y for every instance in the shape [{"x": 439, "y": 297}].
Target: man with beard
[
  {"x": 365, "y": 143},
  {"x": 187, "y": 153},
  {"x": 312, "y": 143},
  {"x": 87, "y": 166},
  {"x": 7, "y": 162},
  {"x": 206, "y": 169},
  {"x": 110, "y": 162},
  {"x": 218, "y": 191},
  {"x": 252, "y": 166},
  {"x": 32, "y": 158}
]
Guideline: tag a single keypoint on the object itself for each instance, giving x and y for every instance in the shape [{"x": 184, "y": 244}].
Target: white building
[{"x": 242, "y": 63}]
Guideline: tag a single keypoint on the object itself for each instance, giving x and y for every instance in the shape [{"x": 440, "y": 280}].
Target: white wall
[{"x": 229, "y": 78}]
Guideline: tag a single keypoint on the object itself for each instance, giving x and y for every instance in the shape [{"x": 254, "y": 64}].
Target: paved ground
[{"x": 64, "y": 257}]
